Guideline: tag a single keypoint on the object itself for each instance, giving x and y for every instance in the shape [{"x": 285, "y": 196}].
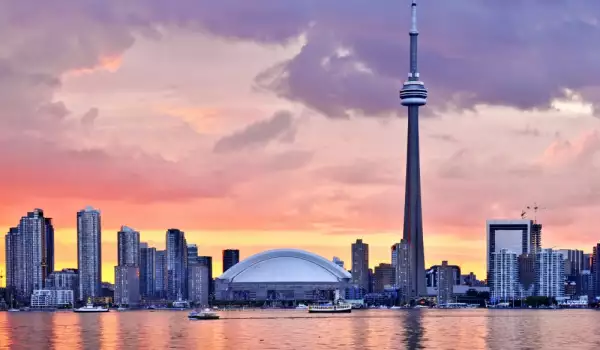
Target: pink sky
[{"x": 280, "y": 126}]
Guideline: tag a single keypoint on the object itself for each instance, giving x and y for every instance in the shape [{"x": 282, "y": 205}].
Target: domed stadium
[{"x": 281, "y": 275}]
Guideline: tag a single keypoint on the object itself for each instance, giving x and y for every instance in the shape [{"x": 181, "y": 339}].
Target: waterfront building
[
  {"x": 549, "y": 273},
  {"x": 51, "y": 298},
  {"x": 127, "y": 285},
  {"x": 432, "y": 275},
  {"x": 526, "y": 274},
  {"x": 207, "y": 261},
  {"x": 446, "y": 280},
  {"x": 587, "y": 262},
  {"x": 585, "y": 284},
  {"x": 339, "y": 262},
  {"x": 198, "y": 284},
  {"x": 128, "y": 242},
  {"x": 176, "y": 248},
  {"x": 230, "y": 258},
  {"x": 403, "y": 280},
  {"x": 147, "y": 271},
  {"x": 385, "y": 277},
  {"x": 595, "y": 269},
  {"x": 469, "y": 280},
  {"x": 394, "y": 254},
  {"x": 505, "y": 282},
  {"x": 360, "y": 265},
  {"x": 160, "y": 275},
  {"x": 65, "y": 279},
  {"x": 282, "y": 275},
  {"x": 573, "y": 260},
  {"x": 414, "y": 95},
  {"x": 512, "y": 235},
  {"x": 89, "y": 253},
  {"x": 29, "y": 250}
]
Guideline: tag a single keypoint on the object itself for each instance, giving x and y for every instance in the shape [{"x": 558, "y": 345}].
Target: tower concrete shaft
[{"x": 413, "y": 95}]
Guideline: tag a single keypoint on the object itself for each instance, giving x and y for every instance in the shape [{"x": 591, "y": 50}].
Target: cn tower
[{"x": 414, "y": 95}]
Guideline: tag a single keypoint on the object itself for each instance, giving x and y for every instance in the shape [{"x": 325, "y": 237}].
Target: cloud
[
  {"x": 279, "y": 127},
  {"x": 89, "y": 118},
  {"x": 361, "y": 172}
]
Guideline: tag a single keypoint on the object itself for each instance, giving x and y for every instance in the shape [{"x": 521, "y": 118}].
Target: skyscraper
[
  {"x": 360, "y": 265},
  {"x": 230, "y": 258},
  {"x": 446, "y": 279},
  {"x": 176, "y": 264},
  {"x": 413, "y": 96},
  {"x": 385, "y": 276},
  {"x": 29, "y": 252},
  {"x": 573, "y": 260},
  {"x": 505, "y": 281},
  {"x": 595, "y": 270},
  {"x": 160, "y": 275},
  {"x": 128, "y": 241},
  {"x": 403, "y": 281},
  {"x": 89, "y": 253},
  {"x": 147, "y": 271},
  {"x": 207, "y": 261},
  {"x": 198, "y": 284},
  {"x": 549, "y": 273}
]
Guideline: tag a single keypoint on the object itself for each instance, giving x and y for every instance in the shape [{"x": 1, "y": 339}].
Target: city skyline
[{"x": 298, "y": 145}]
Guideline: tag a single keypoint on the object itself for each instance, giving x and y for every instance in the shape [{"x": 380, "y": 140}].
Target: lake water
[{"x": 295, "y": 329}]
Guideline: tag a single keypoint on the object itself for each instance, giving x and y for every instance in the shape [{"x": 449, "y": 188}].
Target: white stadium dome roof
[{"x": 285, "y": 266}]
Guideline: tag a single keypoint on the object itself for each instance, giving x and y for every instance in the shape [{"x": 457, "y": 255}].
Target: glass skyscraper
[
  {"x": 176, "y": 264},
  {"x": 160, "y": 274},
  {"x": 147, "y": 270},
  {"x": 129, "y": 247},
  {"x": 89, "y": 253}
]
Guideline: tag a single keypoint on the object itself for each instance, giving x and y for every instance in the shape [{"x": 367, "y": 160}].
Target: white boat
[
  {"x": 396, "y": 307},
  {"x": 14, "y": 310},
  {"x": 301, "y": 307},
  {"x": 421, "y": 307},
  {"x": 89, "y": 307},
  {"x": 120, "y": 308},
  {"x": 205, "y": 314},
  {"x": 331, "y": 308}
]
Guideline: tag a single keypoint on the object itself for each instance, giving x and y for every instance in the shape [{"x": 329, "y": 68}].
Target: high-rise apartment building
[
  {"x": 29, "y": 252},
  {"x": 127, "y": 285},
  {"x": 198, "y": 284},
  {"x": 549, "y": 273},
  {"x": 595, "y": 271},
  {"x": 505, "y": 278},
  {"x": 127, "y": 272},
  {"x": 128, "y": 242},
  {"x": 176, "y": 248},
  {"x": 230, "y": 258},
  {"x": 147, "y": 271},
  {"x": 517, "y": 236},
  {"x": 207, "y": 261},
  {"x": 385, "y": 276},
  {"x": 446, "y": 280},
  {"x": 89, "y": 253},
  {"x": 360, "y": 265},
  {"x": 160, "y": 275}
]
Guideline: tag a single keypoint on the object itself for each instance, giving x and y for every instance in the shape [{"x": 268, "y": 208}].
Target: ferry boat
[
  {"x": 331, "y": 308},
  {"x": 89, "y": 307},
  {"x": 205, "y": 314}
]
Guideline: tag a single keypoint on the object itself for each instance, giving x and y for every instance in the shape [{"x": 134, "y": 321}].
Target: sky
[{"x": 272, "y": 124}]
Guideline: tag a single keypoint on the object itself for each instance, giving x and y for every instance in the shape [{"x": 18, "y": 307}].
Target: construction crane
[{"x": 535, "y": 209}]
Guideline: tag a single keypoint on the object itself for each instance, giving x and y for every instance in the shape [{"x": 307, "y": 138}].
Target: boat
[
  {"x": 396, "y": 307},
  {"x": 120, "y": 308},
  {"x": 205, "y": 314},
  {"x": 89, "y": 307},
  {"x": 14, "y": 310},
  {"x": 301, "y": 307},
  {"x": 331, "y": 308},
  {"x": 421, "y": 307}
]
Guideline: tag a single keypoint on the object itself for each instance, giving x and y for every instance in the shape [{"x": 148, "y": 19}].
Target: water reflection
[{"x": 266, "y": 329}]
